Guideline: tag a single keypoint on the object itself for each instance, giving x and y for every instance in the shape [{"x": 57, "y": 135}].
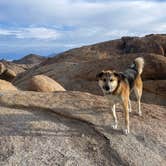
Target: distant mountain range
[{"x": 30, "y": 59}]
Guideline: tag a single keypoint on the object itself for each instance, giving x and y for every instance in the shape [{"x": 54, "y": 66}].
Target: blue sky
[{"x": 47, "y": 26}]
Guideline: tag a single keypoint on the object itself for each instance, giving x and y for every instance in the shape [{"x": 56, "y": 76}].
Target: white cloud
[
  {"x": 84, "y": 13},
  {"x": 37, "y": 33},
  {"x": 32, "y": 33},
  {"x": 5, "y": 32}
]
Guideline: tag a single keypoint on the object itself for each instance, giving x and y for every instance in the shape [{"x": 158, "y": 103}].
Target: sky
[{"x": 45, "y": 27}]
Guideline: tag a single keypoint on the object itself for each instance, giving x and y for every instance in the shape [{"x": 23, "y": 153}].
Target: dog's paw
[
  {"x": 140, "y": 113},
  {"x": 115, "y": 126},
  {"x": 130, "y": 110},
  {"x": 126, "y": 131}
]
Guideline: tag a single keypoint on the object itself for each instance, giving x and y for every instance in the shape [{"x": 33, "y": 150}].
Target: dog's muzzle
[{"x": 106, "y": 88}]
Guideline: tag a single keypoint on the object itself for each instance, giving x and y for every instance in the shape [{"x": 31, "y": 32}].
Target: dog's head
[{"x": 108, "y": 81}]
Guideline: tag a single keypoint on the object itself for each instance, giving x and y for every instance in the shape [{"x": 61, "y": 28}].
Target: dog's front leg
[
  {"x": 115, "y": 125},
  {"x": 129, "y": 105},
  {"x": 126, "y": 111}
]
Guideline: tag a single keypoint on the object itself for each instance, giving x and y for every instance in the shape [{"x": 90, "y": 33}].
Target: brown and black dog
[{"x": 117, "y": 86}]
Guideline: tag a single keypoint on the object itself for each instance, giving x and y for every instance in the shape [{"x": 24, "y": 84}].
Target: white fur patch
[
  {"x": 112, "y": 85},
  {"x": 126, "y": 131}
]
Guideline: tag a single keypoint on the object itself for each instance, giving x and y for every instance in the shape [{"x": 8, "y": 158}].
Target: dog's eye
[
  {"x": 104, "y": 80},
  {"x": 111, "y": 80}
]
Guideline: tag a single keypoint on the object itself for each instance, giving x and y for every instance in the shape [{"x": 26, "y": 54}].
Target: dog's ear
[
  {"x": 119, "y": 75},
  {"x": 116, "y": 74},
  {"x": 99, "y": 75}
]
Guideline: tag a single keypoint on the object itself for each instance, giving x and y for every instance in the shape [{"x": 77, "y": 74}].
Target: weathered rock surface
[
  {"x": 42, "y": 83},
  {"x": 17, "y": 68},
  {"x": 33, "y": 137},
  {"x": 155, "y": 91},
  {"x": 142, "y": 45},
  {"x": 6, "y": 86},
  {"x": 159, "y": 38},
  {"x": 31, "y": 134},
  {"x": 6, "y": 73},
  {"x": 9, "y": 69}
]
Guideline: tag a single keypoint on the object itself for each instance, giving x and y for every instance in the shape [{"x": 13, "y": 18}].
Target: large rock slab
[
  {"x": 6, "y": 86},
  {"x": 83, "y": 106},
  {"x": 35, "y": 137},
  {"x": 42, "y": 83},
  {"x": 144, "y": 146}
]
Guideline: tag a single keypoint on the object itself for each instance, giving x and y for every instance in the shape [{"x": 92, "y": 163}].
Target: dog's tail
[{"x": 139, "y": 64}]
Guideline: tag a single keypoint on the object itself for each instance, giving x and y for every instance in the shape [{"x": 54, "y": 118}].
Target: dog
[{"x": 117, "y": 86}]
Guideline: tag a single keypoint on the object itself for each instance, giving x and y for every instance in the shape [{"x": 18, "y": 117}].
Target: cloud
[
  {"x": 5, "y": 32},
  {"x": 37, "y": 33},
  {"x": 70, "y": 12},
  {"x": 31, "y": 33}
]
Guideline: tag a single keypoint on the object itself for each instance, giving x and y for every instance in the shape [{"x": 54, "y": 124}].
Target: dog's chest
[{"x": 113, "y": 99}]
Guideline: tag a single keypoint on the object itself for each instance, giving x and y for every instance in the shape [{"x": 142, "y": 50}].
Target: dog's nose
[{"x": 107, "y": 88}]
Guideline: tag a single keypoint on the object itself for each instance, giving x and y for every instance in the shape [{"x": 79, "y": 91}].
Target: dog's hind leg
[
  {"x": 138, "y": 93},
  {"x": 129, "y": 105},
  {"x": 115, "y": 125}
]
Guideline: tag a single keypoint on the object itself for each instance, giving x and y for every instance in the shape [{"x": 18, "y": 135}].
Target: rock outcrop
[
  {"x": 155, "y": 44},
  {"x": 32, "y": 134},
  {"x": 6, "y": 73},
  {"x": 9, "y": 69},
  {"x": 6, "y": 86},
  {"x": 42, "y": 83},
  {"x": 142, "y": 45}
]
